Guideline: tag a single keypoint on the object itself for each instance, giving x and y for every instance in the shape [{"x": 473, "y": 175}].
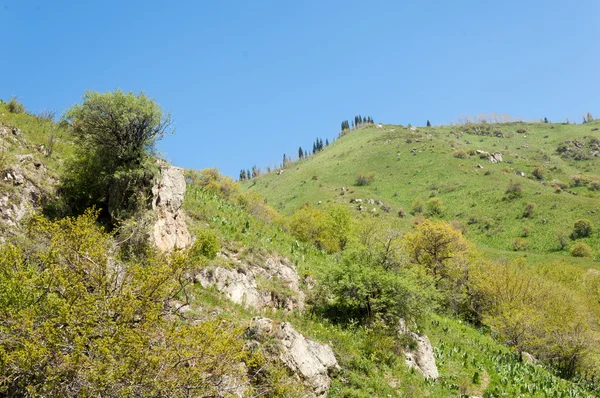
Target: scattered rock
[
  {"x": 312, "y": 362},
  {"x": 280, "y": 172},
  {"x": 355, "y": 200},
  {"x": 17, "y": 132},
  {"x": 169, "y": 231},
  {"x": 495, "y": 157},
  {"x": 479, "y": 166}
]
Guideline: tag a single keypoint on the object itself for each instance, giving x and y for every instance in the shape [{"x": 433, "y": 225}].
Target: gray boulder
[
  {"x": 312, "y": 362},
  {"x": 421, "y": 357}
]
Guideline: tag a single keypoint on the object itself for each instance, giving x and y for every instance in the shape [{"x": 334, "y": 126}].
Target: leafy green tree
[
  {"x": 362, "y": 290},
  {"x": 435, "y": 207},
  {"x": 113, "y": 168}
]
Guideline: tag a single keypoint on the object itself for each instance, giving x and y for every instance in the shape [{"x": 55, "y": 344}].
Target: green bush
[
  {"x": 513, "y": 190},
  {"x": 538, "y": 173},
  {"x": 581, "y": 249},
  {"x": 77, "y": 322},
  {"x": 205, "y": 246},
  {"x": 417, "y": 206},
  {"x": 435, "y": 207},
  {"x": 14, "y": 106},
  {"x": 460, "y": 154},
  {"x": 582, "y": 229},
  {"x": 364, "y": 179},
  {"x": 529, "y": 208},
  {"x": 520, "y": 244}
]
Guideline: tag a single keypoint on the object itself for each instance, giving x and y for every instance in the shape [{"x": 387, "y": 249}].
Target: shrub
[
  {"x": 513, "y": 190},
  {"x": 520, "y": 244},
  {"x": 417, "y": 206},
  {"x": 365, "y": 179},
  {"x": 594, "y": 185},
  {"x": 76, "y": 321},
  {"x": 538, "y": 173},
  {"x": 581, "y": 229},
  {"x": 460, "y": 154},
  {"x": 521, "y": 130},
  {"x": 435, "y": 207},
  {"x": 14, "y": 106},
  {"x": 581, "y": 249},
  {"x": 529, "y": 208},
  {"x": 206, "y": 246}
]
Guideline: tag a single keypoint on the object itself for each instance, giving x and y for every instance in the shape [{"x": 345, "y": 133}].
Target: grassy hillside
[{"x": 411, "y": 163}]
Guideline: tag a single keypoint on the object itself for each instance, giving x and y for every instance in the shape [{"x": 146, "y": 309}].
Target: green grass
[
  {"x": 368, "y": 367},
  {"x": 475, "y": 197}
]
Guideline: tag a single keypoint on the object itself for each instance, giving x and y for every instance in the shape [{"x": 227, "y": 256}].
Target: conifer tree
[
  {"x": 242, "y": 175},
  {"x": 545, "y": 120},
  {"x": 326, "y": 142},
  {"x": 428, "y": 123},
  {"x": 300, "y": 153},
  {"x": 248, "y": 175}
]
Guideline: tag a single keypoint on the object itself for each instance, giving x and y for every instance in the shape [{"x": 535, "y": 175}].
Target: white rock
[
  {"x": 310, "y": 360},
  {"x": 169, "y": 231}
]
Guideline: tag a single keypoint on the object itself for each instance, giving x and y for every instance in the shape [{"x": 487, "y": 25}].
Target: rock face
[
  {"x": 311, "y": 361},
  {"x": 421, "y": 357},
  {"x": 169, "y": 231},
  {"x": 17, "y": 203},
  {"x": 257, "y": 285}
]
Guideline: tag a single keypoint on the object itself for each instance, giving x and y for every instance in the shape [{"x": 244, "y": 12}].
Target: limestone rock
[
  {"x": 495, "y": 157},
  {"x": 313, "y": 362},
  {"x": 169, "y": 231},
  {"x": 241, "y": 284},
  {"x": 421, "y": 357}
]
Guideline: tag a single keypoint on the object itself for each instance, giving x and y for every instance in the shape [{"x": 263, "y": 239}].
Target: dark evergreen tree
[
  {"x": 545, "y": 120},
  {"x": 428, "y": 123},
  {"x": 284, "y": 160},
  {"x": 300, "y": 153},
  {"x": 326, "y": 142},
  {"x": 248, "y": 175},
  {"x": 242, "y": 175}
]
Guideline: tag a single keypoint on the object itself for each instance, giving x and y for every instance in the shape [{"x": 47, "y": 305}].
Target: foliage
[
  {"x": 417, "y": 206},
  {"x": 116, "y": 132},
  {"x": 529, "y": 208},
  {"x": 514, "y": 190},
  {"x": 206, "y": 246},
  {"x": 460, "y": 154},
  {"x": 582, "y": 229},
  {"x": 74, "y": 322},
  {"x": 438, "y": 247},
  {"x": 364, "y": 178},
  {"x": 435, "y": 207},
  {"x": 14, "y": 106},
  {"x": 365, "y": 291},
  {"x": 329, "y": 229},
  {"x": 581, "y": 249}
]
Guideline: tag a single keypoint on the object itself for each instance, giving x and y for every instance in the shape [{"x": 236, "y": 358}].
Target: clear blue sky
[{"x": 247, "y": 81}]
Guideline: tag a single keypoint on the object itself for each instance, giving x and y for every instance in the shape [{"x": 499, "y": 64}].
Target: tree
[
  {"x": 326, "y": 142},
  {"x": 300, "y": 153},
  {"x": 123, "y": 127},
  {"x": 428, "y": 123},
  {"x": 439, "y": 248},
  {"x": 545, "y": 120},
  {"x": 116, "y": 134}
]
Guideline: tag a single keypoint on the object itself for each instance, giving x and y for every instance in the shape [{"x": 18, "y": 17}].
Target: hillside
[
  {"x": 89, "y": 308},
  {"x": 421, "y": 163}
]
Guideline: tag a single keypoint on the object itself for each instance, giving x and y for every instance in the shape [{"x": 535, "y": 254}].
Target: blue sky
[{"x": 247, "y": 81}]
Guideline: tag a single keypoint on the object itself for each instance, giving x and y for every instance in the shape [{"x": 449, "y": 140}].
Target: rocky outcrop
[
  {"x": 273, "y": 282},
  {"x": 495, "y": 157},
  {"x": 421, "y": 356},
  {"x": 170, "y": 230},
  {"x": 311, "y": 361},
  {"x": 24, "y": 197}
]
